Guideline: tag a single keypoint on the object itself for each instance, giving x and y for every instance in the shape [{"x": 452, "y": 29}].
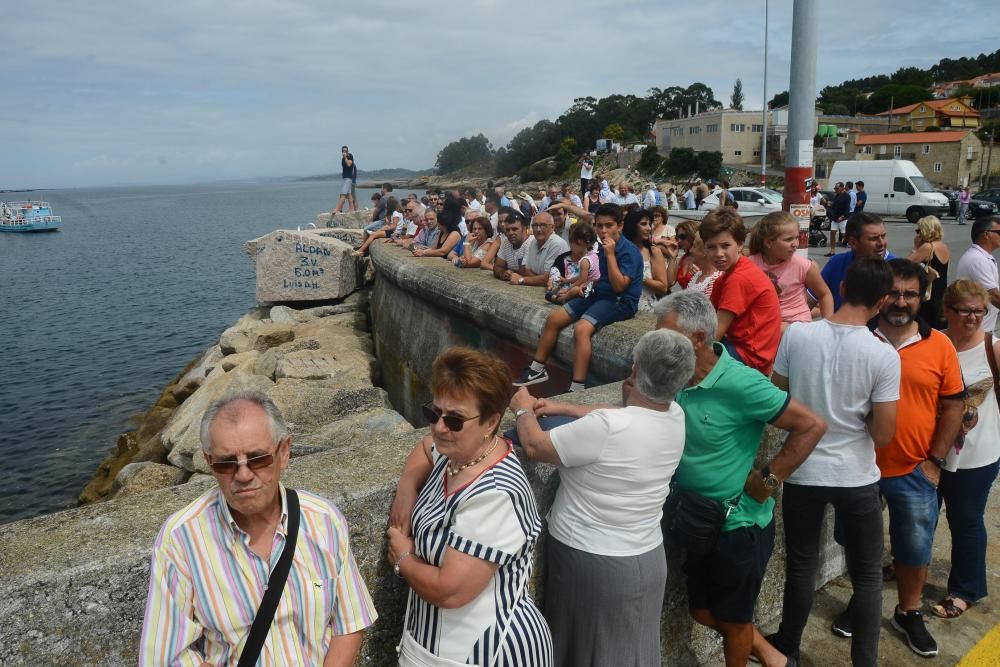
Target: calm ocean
[{"x": 95, "y": 319}]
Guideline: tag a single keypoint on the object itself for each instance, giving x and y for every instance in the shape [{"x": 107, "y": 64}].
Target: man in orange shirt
[{"x": 929, "y": 414}]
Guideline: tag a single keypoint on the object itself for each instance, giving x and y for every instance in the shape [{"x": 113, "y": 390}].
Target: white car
[{"x": 751, "y": 203}]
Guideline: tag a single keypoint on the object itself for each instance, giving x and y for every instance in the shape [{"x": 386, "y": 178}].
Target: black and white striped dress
[{"x": 494, "y": 517}]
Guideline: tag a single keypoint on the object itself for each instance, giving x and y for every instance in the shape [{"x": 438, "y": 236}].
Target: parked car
[
  {"x": 991, "y": 195},
  {"x": 980, "y": 207}
]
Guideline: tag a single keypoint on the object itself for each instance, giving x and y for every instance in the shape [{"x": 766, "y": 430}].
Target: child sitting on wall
[{"x": 574, "y": 273}]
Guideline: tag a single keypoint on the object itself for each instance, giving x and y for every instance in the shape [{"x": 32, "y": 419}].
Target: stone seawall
[{"x": 73, "y": 584}]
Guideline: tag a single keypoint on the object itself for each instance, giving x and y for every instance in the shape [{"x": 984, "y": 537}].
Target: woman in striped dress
[{"x": 463, "y": 527}]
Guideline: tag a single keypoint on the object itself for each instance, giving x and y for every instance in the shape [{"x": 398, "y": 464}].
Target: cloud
[{"x": 118, "y": 91}]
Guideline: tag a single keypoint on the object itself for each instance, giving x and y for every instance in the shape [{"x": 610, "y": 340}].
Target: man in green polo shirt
[{"x": 726, "y": 407}]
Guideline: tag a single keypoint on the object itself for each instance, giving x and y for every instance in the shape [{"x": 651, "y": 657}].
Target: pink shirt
[{"x": 789, "y": 279}]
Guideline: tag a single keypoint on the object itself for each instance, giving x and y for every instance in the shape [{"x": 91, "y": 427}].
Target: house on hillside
[
  {"x": 947, "y": 158},
  {"x": 945, "y": 114},
  {"x": 947, "y": 88}
]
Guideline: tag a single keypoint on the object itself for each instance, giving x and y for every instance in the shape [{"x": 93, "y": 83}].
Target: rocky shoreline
[{"x": 317, "y": 363}]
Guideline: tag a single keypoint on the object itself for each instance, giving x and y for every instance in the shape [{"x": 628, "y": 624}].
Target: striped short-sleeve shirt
[
  {"x": 206, "y": 584},
  {"x": 493, "y": 518}
]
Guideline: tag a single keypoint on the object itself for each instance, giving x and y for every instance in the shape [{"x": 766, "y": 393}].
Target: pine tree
[{"x": 736, "y": 101}]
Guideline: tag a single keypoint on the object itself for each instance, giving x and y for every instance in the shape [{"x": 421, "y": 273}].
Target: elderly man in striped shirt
[{"x": 212, "y": 560}]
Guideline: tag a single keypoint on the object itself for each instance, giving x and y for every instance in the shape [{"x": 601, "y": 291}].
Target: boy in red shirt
[{"x": 744, "y": 297}]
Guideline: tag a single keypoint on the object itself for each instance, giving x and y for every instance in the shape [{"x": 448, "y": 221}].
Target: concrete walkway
[{"x": 956, "y": 638}]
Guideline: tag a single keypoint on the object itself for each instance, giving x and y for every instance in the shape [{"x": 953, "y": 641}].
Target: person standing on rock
[
  {"x": 216, "y": 561},
  {"x": 348, "y": 177}
]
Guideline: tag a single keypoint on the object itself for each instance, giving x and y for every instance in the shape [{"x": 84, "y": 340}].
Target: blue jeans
[
  {"x": 913, "y": 514},
  {"x": 599, "y": 311},
  {"x": 964, "y": 494},
  {"x": 802, "y": 508},
  {"x": 375, "y": 226}
]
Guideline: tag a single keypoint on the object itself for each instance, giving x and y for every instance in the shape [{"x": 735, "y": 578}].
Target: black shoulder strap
[
  {"x": 991, "y": 358},
  {"x": 275, "y": 587}
]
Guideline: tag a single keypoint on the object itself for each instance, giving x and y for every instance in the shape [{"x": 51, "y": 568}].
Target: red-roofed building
[
  {"x": 950, "y": 113},
  {"x": 948, "y": 157}
]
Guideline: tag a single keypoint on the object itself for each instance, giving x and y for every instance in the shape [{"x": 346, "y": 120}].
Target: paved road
[{"x": 901, "y": 234}]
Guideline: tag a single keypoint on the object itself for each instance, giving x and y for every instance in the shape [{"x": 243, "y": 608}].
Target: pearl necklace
[{"x": 452, "y": 472}]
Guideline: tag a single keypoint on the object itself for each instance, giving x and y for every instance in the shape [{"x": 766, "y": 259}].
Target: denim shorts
[
  {"x": 599, "y": 312},
  {"x": 913, "y": 516}
]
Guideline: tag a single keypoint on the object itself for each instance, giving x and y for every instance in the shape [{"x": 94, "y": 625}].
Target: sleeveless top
[
  {"x": 978, "y": 441},
  {"x": 930, "y": 310}
]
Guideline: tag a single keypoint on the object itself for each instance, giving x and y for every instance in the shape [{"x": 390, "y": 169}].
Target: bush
[{"x": 649, "y": 161}]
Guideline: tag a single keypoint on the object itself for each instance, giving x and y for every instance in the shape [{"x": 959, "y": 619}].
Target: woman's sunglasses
[{"x": 451, "y": 422}]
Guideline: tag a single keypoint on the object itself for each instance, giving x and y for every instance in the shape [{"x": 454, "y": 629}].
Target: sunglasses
[
  {"x": 229, "y": 467},
  {"x": 682, "y": 237},
  {"x": 451, "y": 422}
]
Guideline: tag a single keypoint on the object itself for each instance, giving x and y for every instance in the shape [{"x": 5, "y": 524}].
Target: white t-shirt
[
  {"x": 514, "y": 257},
  {"x": 475, "y": 205},
  {"x": 587, "y": 169},
  {"x": 615, "y": 475},
  {"x": 838, "y": 370},
  {"x": 978, "y": 265},
  {"x": 981, "y": 445}
]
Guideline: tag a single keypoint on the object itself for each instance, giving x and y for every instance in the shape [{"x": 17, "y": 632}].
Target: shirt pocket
[{"x": 317, "y": 605}]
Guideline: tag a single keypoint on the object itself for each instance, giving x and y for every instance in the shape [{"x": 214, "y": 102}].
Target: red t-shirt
[{"x": 749, "y": 294}]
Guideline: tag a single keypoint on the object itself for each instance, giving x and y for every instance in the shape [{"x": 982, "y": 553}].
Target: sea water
[{"x": 95, "y": 319}]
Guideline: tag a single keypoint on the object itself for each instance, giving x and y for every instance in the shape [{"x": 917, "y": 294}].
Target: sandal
[{"x": 947, "y": 608}]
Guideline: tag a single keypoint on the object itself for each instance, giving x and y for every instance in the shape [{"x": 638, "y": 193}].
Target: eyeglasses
[
  {"x": 682, "y": 237},
  {"x": 992, "y": 231},
  {"x": 968, "y": 312},
  {"x": 907, "y": 296},
  {"x": 229, "y": 467},
  {"x": 451, "y": 422},
  {"x": 540, "y": 225}
]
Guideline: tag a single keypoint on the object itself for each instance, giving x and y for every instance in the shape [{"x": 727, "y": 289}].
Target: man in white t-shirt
[
  {"x": 979, "y": 265},
  {"x": 543, "y": 248},
  {"x": 586, "y": 173},
  {"x": 851, "y": 379},
  {"x": 625, "y": 196}
]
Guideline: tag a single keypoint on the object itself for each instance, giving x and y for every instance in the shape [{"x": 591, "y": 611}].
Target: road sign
[{"x": 803, "y": 215}]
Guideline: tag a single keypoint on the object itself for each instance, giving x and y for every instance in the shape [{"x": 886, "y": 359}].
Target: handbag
[
  {"x": 693, "y": 521},
  {"x": 412, "y": 654},
  {"x": 275, "y": 587}
]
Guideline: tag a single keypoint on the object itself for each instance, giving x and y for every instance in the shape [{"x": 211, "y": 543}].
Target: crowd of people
[{"x": 879, "y": 374}]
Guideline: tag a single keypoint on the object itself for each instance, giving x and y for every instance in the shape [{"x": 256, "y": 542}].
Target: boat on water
[{"x": 28, "y": 216}]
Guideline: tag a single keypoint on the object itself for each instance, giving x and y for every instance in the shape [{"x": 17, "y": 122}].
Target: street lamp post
[{"x": 763, "y": 132}]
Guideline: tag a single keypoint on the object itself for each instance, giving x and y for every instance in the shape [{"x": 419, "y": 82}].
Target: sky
[{"x": 110, "y": 92}]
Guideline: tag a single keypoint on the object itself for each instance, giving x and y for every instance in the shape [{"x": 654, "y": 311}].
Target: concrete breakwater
[{"x": 72, "y": 584}]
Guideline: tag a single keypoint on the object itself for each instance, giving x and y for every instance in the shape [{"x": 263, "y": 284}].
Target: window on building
[
  {"x": 938, "y": 167},
  {"x": 756, "y": 128},
  {"x": 881, "y": 149},
  {"x": 737, "y": 153},
  {"x": 969, "y": 153},
  {"x": 713, "y": 128},
  {"x": 756, "y": 152},
  {"x": 926, "y": 149},
  {"x": 867, "y": 150},
  {"x": 920, "y": 123},
  {"x": 737, "y": 127},
  {"x": 897, "y": 151}
]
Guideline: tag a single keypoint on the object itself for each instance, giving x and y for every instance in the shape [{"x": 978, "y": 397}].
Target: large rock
[
  {"x": 355, "y": 430},
  {"x": 182, "y": 434},
  {"x": 188, "y": 383},
  {"x": 357, "y": 302},
  {"x": 136, "y": 478},
  {"x": 286, "y": 315},
  {"x": 246, "y": 359},
  {"x": 267, "y": 362},
  {"x": 309, "y": 406},
  {"x": 349, "y": 369},
  {"x": 303, "y": 266},
  {"x": 271, "y": 335},
  {"x": 356, "y": 220}
]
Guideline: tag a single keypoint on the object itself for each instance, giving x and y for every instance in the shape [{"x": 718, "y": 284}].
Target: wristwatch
[
  {"x": 395, "y": 568},
  {"x": 518, "y": 413},
  {"x": 936, "y": 460},
  {"x": 520, "y": 280},
  {"x": 771, "y": 483}
]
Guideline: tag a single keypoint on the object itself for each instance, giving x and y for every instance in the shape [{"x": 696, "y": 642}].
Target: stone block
[
  {"x": 357, "y": 302},
  {"x": 286, "y": 315},
  {"x": 303, "y": 266},
  {"x": 271, "y": 335},
  {"x": 308, "y": 406},
  {"x": 356, "y": 220},
  {"x": 246, "y": 359},
  {"x": 136, "y": 478}
]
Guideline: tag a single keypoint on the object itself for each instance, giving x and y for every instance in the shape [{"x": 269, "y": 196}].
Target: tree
[
  {"x": 895, "y": 95},
  {"x": 912, "y": 76},
  {"x": 779, "y": 100},
  {"x": 736, "y": 99},
  {"x": 466, "y": 152},
  {"x": 836, "y": 109},
  {"x": 683, "y": 161},
  {"x": 614, "y": 132},
  {"x": 708, "y": 163},
  {"x": 649, "y": 161}
]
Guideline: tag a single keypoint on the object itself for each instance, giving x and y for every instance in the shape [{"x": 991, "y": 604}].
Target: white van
[{"x": 894, "y": 187}]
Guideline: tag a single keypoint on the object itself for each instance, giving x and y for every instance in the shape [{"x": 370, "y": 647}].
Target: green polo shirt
[{"x": 724, "y": 417}]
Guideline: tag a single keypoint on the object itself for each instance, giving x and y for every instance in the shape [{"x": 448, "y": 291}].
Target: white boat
[{"x": 28, "y": 216}]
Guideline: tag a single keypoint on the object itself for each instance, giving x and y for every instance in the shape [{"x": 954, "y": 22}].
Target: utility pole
[
  {"x": 801, "y": 115},
  {"x": 763, "y": 132}
]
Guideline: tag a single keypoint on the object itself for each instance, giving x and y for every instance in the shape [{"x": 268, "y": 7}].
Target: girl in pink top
[{"x": 773, "y": 242}]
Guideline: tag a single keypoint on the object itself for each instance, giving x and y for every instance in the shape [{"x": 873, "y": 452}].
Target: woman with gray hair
[{"x": 606, "y": 564}]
